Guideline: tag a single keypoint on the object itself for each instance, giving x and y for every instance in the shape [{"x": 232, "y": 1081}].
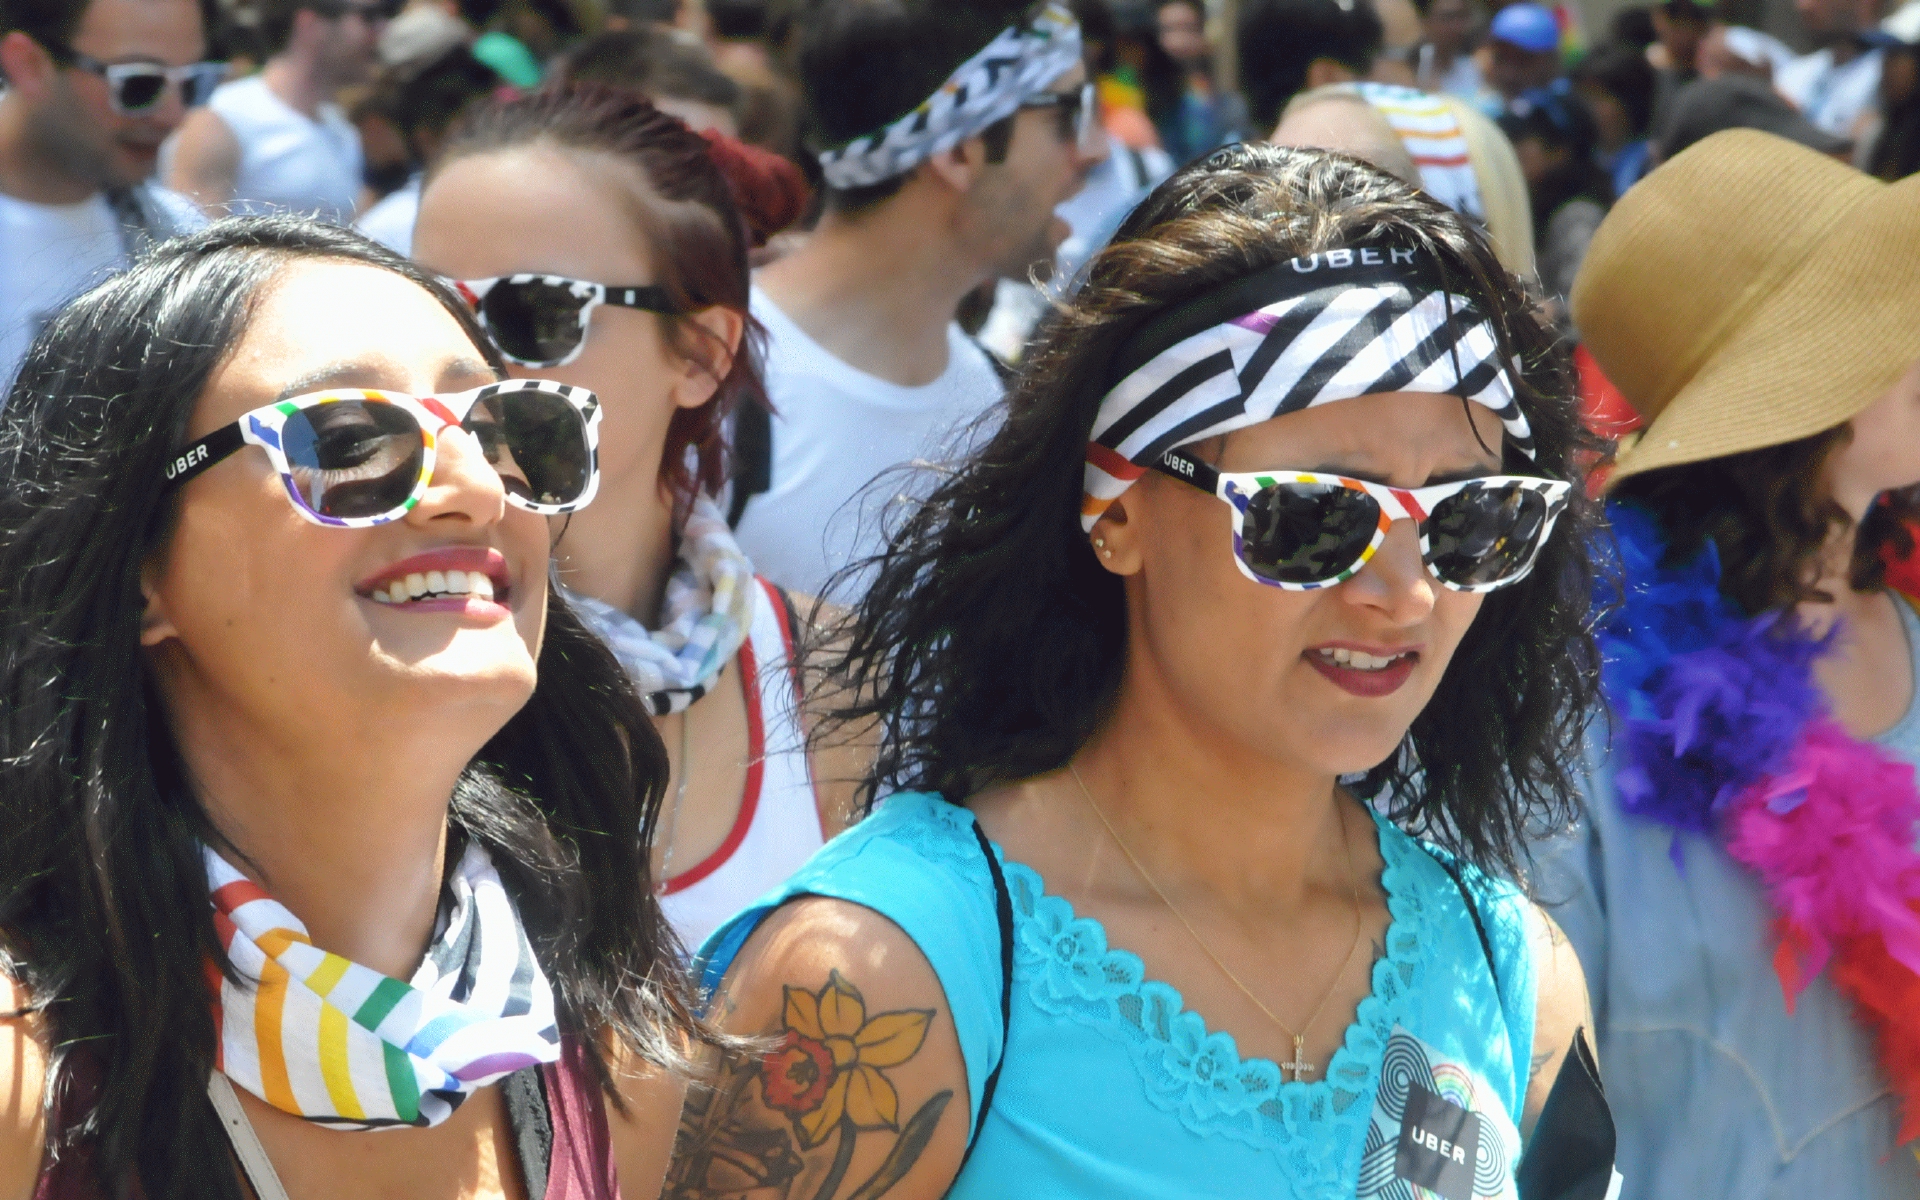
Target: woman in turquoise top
[{"x": 1155, "y": 644}]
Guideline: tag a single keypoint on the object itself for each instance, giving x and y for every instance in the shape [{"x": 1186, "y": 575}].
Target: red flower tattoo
[{"x": 794, "y": 1074}]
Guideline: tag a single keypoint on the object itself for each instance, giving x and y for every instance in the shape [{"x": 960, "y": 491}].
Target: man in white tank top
[
  {"x": 276, "y": 141},
  {"x": 865, "y": 366}
]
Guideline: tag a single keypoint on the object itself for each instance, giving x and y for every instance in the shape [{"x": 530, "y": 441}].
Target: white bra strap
[{"x": 246, "y": 1144}]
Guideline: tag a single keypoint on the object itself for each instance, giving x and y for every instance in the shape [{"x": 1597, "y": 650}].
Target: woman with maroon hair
[{"x": 605, "y": 245}]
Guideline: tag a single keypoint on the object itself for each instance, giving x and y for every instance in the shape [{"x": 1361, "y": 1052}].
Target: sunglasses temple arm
[
  {"x": 1188, "y": 469},
  {"x": 213, "y": 448}
]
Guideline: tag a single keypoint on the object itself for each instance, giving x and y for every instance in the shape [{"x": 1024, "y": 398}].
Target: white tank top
[
  {"x": 289, "y": 162},
  {"x": 778, "y": 828}
]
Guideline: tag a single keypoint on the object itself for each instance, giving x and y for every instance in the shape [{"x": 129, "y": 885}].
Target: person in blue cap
[{"x": 1525, "y": 42}]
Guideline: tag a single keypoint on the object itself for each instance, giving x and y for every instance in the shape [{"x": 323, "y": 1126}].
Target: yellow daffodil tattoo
[{"x": 826, "y": 1077}]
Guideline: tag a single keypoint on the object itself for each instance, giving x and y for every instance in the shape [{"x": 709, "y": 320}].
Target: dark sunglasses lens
[
  {"x": 353, "y": 458},
  {"x": 141, "y": 91},
  {"x": 538, "y": 443},
  {"x": 1485, "y": 535},
  {"x": 1306, "y": 532},
  {"x": 535, "y": 324},
  {"x": 198, "y": 88}
]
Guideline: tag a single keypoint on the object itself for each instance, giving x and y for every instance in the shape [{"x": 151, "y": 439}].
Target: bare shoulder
[
  {"x": 206, "y": 160},
  {"x": 641, "y": 1137},
  {"x": 23, "y": 1075},
  {"x": 842, "y": 752},
  {"x": 1561, "y": 1010},
  {"x": 853, "y": 1085}
]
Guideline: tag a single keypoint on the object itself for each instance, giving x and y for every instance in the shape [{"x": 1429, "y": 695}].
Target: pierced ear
[
  {"x": 1115, "y": 540},
  {"x": 711, "y": 354}
]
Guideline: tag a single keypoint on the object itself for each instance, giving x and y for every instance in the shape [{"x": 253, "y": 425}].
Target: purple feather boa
[{"x": 1709, "y": 701}]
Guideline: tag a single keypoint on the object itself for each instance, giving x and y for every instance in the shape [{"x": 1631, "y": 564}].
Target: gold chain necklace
[{"x": 1299, "y": 1066}]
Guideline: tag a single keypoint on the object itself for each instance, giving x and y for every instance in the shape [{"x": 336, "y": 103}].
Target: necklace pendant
[{"x": 1299, "y": 1066}]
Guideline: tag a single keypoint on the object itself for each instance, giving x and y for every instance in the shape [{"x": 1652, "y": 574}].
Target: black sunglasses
[
  {"x": 137, "y": 88},
  {"x": 541, "y": 320},
  {"x": 1074, "y": 112}
]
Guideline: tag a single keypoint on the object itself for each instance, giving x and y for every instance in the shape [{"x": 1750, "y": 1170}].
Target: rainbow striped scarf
[{"x": 327, "y": 1039}]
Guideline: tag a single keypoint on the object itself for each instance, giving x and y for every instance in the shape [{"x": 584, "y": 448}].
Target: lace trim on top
[{"x": 1064, "y": 963}]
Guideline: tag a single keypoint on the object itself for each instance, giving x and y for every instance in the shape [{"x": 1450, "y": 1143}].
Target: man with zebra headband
[{"x": 946, "y": 134}]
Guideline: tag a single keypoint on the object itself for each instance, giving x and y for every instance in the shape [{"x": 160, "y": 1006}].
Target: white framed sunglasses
[
  {"x": 1305, "y": 530},
  {"x": 356, "y": 457},
  {"x": 541, "y": 320},
  {"x": 137, "y": 88}
]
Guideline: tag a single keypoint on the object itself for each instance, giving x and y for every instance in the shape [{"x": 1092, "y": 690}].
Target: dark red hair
[{"x": 710, "y": 201}]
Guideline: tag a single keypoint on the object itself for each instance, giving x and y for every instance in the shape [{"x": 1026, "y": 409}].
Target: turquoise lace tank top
[{"x": 1111, "y": 1087}]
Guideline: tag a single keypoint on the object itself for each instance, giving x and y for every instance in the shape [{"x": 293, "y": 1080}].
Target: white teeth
[
  {"x": 1359, "y": 660},
  {"x": 434, "y": 585}
]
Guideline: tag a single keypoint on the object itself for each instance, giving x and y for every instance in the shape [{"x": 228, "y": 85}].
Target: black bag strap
[
  {"x": 143, "y": 222},
  {"x": 1452, "y": 869},
  {"x": 528, "y": 1116},
  {"x": 1003, "y": 910},
  {"x": 752, "y": 458}
]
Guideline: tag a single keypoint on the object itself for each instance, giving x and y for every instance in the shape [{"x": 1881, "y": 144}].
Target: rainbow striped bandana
[
  {"x": 1330, "y": 326},
  {"x": 1014, "y": 67},
  {"x": 340, "y": 1044}
]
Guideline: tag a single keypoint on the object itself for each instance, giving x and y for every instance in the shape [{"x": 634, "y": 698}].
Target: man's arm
[
  {"x": 853, "y": 1088},
  {"x": 206, "y": 162}
]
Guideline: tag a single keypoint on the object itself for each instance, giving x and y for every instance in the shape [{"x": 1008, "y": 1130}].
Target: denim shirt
[{"x": 1715, "y": 1089}]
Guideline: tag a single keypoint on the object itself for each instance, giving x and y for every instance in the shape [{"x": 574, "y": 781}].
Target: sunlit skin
[{"x": 1226, "y": 654}]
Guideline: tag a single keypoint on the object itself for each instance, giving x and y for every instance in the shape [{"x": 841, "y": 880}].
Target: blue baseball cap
[{"x": 1528, "y": 26}]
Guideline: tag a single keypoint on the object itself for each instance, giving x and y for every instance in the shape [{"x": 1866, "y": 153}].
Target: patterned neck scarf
[
  {"x": 324, "y": 1038},
  {"x": 709, "y": 606}
]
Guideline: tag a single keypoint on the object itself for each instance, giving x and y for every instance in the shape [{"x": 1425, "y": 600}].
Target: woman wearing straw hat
[{"x": 1744, "y": 894}]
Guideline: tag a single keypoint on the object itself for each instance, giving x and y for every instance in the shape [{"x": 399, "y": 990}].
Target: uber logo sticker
[{"x": 1439, "y": 1145}]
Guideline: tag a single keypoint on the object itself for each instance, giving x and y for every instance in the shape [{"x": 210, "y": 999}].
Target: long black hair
[
  {"x": 990, "y": 643},
  {"x": 104, "y": 918}
]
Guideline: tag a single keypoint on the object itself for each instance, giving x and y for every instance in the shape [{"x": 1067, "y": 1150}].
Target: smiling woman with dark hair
[
  {"x": 1281, "y": 517},
  {"x": 316, "y": 811}
]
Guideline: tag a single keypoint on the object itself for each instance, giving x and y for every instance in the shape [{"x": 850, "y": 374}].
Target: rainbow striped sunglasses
[
  {"x": 1301, "y": 530},
  {"x": 354, "y": 458}
]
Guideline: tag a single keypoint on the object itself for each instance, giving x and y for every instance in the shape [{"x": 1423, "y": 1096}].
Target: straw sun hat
[{"x": 1751, "y": 292}]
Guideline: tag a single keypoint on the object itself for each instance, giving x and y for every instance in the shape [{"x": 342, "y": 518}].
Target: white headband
[
  {"x": 1326, "y": 327},
  {"x": 1014, "y": 67}
]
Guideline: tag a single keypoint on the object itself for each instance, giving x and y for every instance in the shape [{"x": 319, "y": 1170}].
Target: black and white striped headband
[
  {"x": 1014, "y": 67},
  {"x": 1330, "y": 326}
]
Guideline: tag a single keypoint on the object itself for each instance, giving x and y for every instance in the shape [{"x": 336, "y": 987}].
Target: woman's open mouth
[
  {"x": 469, "y": 579},
  {"x": 1361, "y": 672}
]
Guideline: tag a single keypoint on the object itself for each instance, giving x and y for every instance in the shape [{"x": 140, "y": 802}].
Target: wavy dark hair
[
  {"x": 1768, "y": 516},
  {"x": 990, "y": 643},
  {"x": 104, "y": 919}
]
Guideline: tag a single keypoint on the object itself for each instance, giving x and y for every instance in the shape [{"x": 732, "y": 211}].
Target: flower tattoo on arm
[{"x": 821, "y": 1085}]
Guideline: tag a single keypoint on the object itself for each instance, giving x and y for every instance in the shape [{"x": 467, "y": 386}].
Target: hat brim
[{"x": 1834, "y": 337}]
